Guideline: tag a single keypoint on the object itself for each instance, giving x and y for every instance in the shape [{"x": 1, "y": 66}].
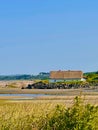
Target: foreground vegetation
[{"x": 48, "y": 116}]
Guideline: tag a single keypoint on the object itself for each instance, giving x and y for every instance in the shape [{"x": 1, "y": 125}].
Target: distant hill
[
  {"x": 44, "y": 75},
  {"x": 41, "y": 75},
  {"x": 91, "y": 76},
  {"x": 95, "y": 72}
]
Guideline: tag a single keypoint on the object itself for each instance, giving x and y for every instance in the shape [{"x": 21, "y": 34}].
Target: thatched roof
[{"x": 66, "y": 74}]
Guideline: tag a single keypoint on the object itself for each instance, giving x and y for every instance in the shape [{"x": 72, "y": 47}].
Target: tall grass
[
  {"x": 48, "y": 116},
  {"x": 77, "y": 117},
  {"x": 23, "y": 116}
]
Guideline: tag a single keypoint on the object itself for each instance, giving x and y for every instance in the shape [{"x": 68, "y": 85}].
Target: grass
[
  {"x": 46, "y": 115},
  {"x": 60, "y": 111},
  {"x": 24, "y": 116}
]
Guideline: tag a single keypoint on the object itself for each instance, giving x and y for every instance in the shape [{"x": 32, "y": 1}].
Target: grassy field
[
  {"x": 22, "y": 116},
  {"x": 59, "y": 111},
  {"x": 47, "y": 114}
]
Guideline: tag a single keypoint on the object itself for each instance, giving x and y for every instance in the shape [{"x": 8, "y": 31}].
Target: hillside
[{"x": 41, "y": 76}]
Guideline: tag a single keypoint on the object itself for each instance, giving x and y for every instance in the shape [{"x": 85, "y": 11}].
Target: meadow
[{"x": 50, "y": 113}]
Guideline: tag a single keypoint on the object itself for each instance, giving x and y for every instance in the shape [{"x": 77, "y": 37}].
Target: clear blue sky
[{"x": 44, "y": 35}]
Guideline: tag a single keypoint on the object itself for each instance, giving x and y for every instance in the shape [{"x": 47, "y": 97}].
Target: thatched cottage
[{"x": 56, "y": 76}]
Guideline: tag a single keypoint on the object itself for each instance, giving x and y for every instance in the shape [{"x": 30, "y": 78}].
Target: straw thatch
[{"x": 66, "y": 75}]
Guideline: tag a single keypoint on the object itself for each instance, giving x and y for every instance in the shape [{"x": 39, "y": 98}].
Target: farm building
[{"x": 57, "y": 76}]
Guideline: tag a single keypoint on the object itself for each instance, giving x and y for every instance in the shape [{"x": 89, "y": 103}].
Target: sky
[{"x": 44, "y": 35}]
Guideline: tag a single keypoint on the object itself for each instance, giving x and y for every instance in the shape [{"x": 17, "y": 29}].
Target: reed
[{"x": 48, "y": 115}]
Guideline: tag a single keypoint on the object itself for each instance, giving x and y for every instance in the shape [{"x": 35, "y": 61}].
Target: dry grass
[
  {"x": 23, "y": 115},
  {"x": 27, "y": 114},
  {"x": 68, "y": 100}
]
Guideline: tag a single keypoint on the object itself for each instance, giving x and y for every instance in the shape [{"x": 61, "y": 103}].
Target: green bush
[{"x": 78, "y": 117}]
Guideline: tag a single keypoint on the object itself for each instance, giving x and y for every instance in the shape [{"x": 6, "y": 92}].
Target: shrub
[
  {"x": 78, "y": 117},
  {"x": 45, "y": 116}
]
